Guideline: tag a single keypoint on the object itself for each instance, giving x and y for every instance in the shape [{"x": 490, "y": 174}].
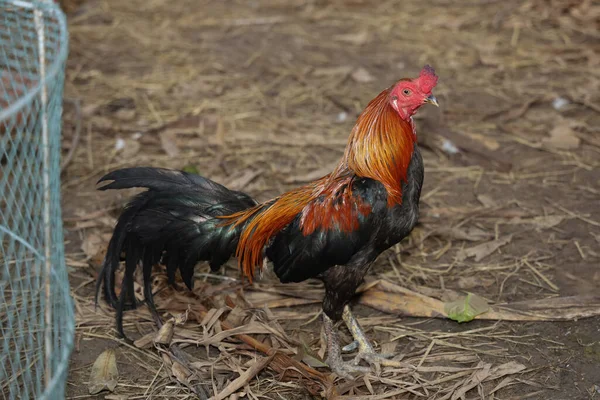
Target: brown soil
[{"x": 259, "y": 95}]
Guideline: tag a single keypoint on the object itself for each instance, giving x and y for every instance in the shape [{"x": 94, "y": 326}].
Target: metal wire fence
[{"x": 36, "y": 310}]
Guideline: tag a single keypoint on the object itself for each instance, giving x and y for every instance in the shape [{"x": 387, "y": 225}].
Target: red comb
[{"x": 427, "y": 79}]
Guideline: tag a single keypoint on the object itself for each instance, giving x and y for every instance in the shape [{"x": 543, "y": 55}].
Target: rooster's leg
[
  {"x": 334, "y": 354},
  {"x": 365, "y": 349}
]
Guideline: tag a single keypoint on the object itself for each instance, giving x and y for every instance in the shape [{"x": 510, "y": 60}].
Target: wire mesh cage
[{"x": 36, "y": 310}]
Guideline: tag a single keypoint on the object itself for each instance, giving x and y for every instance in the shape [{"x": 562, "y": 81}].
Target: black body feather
[
  {"x": 342, "y": 259},
  {"x": 173, "y": 222}
]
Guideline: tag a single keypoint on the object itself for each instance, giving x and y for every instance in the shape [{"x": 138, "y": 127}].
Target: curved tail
[{"x": 174, "y": 222}]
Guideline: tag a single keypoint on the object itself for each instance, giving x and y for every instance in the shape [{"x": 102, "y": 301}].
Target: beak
[{"x": 432, "y": 100}]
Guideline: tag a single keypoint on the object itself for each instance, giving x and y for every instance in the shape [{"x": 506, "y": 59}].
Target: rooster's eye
[{"x": 406, "y": 92}]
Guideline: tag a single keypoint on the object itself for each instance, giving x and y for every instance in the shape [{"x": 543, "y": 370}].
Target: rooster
[{"x": 332, "y": 229}]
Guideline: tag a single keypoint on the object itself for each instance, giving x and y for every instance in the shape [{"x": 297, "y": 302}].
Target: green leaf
[
  {"x": 466, "y": 308},
  {"x": 191, "y": 169}
]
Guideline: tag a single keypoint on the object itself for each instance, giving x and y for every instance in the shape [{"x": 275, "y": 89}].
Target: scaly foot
[
  {"x": 365, "y": 349},
  {"x": 334, "y": 356}
]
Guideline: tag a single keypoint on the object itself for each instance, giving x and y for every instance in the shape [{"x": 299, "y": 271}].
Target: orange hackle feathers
[
  {"x": 262, "y": 223},
  {"x": 380, "y": 147}
]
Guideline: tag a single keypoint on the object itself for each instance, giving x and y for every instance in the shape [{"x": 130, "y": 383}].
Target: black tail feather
[
  {"x": 113, "y": 253},
  {"x": 173, "y": 222}
]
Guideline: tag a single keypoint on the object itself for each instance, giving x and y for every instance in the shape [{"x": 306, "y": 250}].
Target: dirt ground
[{"x": 261, "y": 96}]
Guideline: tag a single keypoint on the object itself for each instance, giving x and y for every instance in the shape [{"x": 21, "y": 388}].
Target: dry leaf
[
  {"x": 356, "y": 39},
  {"x": 166, "y": 359},
  {"x": 489, "y": 374},
  {"x": 94, "y": 243},
  {"x": 469, "y": 282},
  {"x": 488, "y": 142},
  {"x": 180, "y": 372},
  {"x": 503, "y": 383},
  {"x": 306, "y": 355},
  {"x": 388, "y": 297},
  {"x": 244, "y": 378},
  {"x": 389, "y": 347},
  {"x": 563, "y": 136},
  {"x": 165, "y": 333},
  {"x": 361, "y": 75},
  {"x": 125, "y": 114},
  {"x": 475, "y": 380},
  {"x": 236, "y": 316},
  {"x": 167, "y": 141},
  {"x": 102, "y": 122},
  {"x": 486, "y": 201},
  {"x": 438, "y": 293},
  {"x": 470, "y": 233},
  {"x": 543, "y": 222},
  {"x": 251, "y": 328},
  {"x": 483, "y": 250},
  {"x": 331, "y": 71},
  {"x": 508, "y": 368},
  {"x": 89, "y": 109},
  {"x": 104, "y": 375},
  {"x": 145, "y": 341},
  {"x": 181, "y": 318}
]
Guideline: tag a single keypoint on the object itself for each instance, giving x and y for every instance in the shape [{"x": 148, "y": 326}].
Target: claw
[
  {"x": 365, "y": 349},
  {"x": 374, "y": 359},
  {"x": 350, "y": 347},
  {"x": 346, "y": 369}
]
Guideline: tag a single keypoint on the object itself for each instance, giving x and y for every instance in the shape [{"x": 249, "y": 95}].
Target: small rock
[
  {"x": 119, "y": 144},
  {"x": 125, "y": 114},
  {"x": 361, "y": 75},
  {"x": 559, "y": 103},
  {"x": 449, "y": 147},
  {"x": 563, "y": 136}
]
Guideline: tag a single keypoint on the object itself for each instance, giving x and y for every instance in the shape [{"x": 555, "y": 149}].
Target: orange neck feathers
[{"x": 380, "y": 147}]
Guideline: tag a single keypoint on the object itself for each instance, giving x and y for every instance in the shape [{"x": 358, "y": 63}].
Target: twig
[
  {"x": 244, "y": 378},
  {"x": 572, "y": 214},
  {"x": 284, "y": 364},
  {"x": 426, "y": 353},
  {"x": 542, "y": 276}
]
